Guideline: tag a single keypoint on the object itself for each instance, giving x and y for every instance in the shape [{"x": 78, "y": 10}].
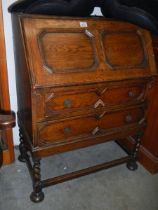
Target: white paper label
[{"x": 83, "y": 24}]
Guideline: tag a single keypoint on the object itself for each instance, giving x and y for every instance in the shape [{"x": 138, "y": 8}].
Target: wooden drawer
[
  {"x": 73, "y": 101},
  {"x": 68, "y": 129}
]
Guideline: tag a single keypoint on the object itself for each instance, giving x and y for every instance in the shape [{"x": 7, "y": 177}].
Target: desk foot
[
  {"x": 37, "y": 197},
  {"x": 132, "y": 165}
]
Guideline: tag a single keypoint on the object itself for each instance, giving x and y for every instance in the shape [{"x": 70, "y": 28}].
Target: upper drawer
[
  {"x": 73, "y": 51},
  {"x": 80, "y": 100}
]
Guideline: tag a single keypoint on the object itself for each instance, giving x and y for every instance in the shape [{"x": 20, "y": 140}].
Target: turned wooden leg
[
  {"x": 37, "y": 195},
  {"x": 22, "y": 148},
  {"x": 131, "y": 164}
]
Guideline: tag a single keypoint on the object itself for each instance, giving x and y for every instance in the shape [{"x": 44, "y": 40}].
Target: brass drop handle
[
  {"x": 67, "y": 130},
  {"x": 128, "y": 119},
  {"x": 67, "y": 103}
]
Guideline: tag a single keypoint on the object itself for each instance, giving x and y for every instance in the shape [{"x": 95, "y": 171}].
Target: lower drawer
[{"x": 68, "y": 129}]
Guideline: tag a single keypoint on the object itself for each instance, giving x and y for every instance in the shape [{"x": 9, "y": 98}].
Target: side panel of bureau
[
  {"x": 22, "y": 81},
  {"x": 149, "y": 150}
]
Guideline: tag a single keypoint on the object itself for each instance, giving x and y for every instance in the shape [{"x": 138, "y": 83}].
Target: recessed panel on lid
[
  {"x": 123, "y": 50},
  {"x": 67, "y": 51}
]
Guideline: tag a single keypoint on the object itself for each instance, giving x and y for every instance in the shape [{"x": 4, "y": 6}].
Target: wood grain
[{"x": 33, "y": 27}]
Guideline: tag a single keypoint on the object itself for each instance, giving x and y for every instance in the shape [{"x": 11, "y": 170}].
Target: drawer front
[
  {"x": 66, "y": 130},
  {"x": 81, "y": 100}
]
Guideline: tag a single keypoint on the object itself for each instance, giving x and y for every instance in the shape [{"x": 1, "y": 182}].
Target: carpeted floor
[{"x": 112, "y": 189}]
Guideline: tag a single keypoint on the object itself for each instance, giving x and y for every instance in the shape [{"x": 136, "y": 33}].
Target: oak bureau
[{"x": 80, "y": 82}]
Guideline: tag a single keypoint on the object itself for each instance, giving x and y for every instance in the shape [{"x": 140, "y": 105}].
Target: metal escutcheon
[
  {"x": 131, "y": 94},
  {"x": 67, "y": 130},
  {"x": 67, "y": 103},
  {"x": 128, "y": 118}
]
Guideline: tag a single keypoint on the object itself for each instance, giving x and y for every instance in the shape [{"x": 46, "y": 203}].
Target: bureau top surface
[{"x": 64, "y": 51}]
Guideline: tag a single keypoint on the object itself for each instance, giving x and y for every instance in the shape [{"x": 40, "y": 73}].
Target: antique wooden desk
[{"x": 80, "y": 82}]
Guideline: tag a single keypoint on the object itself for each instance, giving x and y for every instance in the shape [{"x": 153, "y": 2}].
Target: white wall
[
  {"x": 10, "y": 59},
  {"x": 10, "y": 62}
]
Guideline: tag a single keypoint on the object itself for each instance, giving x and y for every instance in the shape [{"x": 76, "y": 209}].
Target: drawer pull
[
  {"x": 67, "y": 130},
  {"x": 131, "y": 94},
  {"x": 98, "y": 103},
  {"x": 128, "y": 119},
  {"x": 67, "y": 103}
]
